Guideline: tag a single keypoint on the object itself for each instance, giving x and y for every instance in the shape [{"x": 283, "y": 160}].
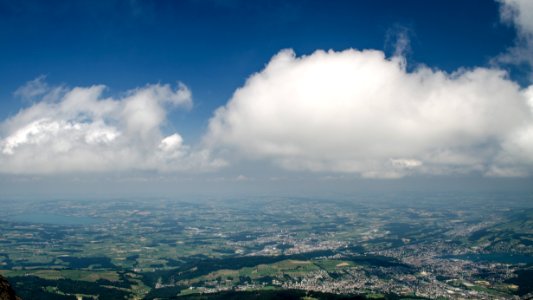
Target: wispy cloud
[
  {"x": 519, "y": 13},
  {"x": 33, "y": 88}
]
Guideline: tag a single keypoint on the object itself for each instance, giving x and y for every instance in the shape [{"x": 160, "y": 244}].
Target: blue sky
[{"x": 290, "y": 89}]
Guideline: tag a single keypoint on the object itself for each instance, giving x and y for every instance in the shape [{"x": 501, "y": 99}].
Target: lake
[{"x": 506, "y": 258}]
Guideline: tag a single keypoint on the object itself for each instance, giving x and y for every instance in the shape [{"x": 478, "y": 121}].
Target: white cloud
[
  {"x": 33, "y": 88},
  {"x": 520, "y": 14},
  {"x": 359, "y": 112},
  {"x": 78, "y": 130}
]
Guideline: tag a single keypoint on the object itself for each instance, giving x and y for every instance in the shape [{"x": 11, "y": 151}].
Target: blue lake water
[
  {"x": 42, "y": 218},
  {"x": 506, "y": 258}
]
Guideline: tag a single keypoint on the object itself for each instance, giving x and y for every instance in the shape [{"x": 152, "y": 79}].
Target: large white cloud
[
  {"x": 73, "y": 130},
  {"x": 357, "y": 111}
]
